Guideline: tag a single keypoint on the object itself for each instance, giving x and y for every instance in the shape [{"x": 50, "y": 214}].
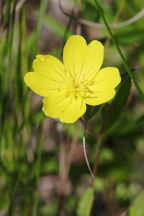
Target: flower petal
[
  {"x": 49, "y": 67},
  {"x": 48, "y": 76},
  {"x": 54, "y": 105},
  {"x": 107, "y": 78},
  {"x": 93, "y": 59},
  {"x": 65, "y": 108},
  {"x": 41, "y": 85},
  {"x": 101, "y": 88},
  {"x": 74, "y": 53},
  {"x": 82, "y": 60},
  {"x": 100, "y": 97},
  {"x": 73, "y": 111}
]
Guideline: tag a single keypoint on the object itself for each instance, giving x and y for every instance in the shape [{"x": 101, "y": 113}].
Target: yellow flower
[{"x": 67, "y": 87}]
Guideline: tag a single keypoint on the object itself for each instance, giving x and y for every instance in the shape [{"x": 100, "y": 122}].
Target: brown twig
[
  {"x": 20, "y": 4},
  {"x": 1, "y": 7},
  {"x": 110, "y": 197},
  {"x": 78, "y": 24},
  {"x": 101, "y": 26},
  {"x": 123, "y": 212}
]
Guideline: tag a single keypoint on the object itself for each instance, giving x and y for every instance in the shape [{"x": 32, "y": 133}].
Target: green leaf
[
  {"x": 106, "y": 114},
  {"x": 121, "y": 97},
  {"x": 127, "y": 128},
  {"x": 91, "y": 111},
  {"x": 110, "y": 112},
  {"x": 129, "y": 35},
  {"x": 138, "y": 207},
  {"x": 85, "y": 203}
]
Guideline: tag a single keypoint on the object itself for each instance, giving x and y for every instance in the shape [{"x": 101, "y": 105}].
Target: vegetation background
[{"x": 42, "y": 166}]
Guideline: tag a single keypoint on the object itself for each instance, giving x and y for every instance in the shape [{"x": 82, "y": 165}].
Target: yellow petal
[
  {"x": 82, "y": 60},
  {"x": 100, "y": 97},
  {"x": 49, "y": 67},
  {"x": 40, "y": 84},
  {"x": 73, "y": 111},
  {"x": 93, "y": 59},
  {"x": 68, "y": 110},
  {"x": 74, "y": 53},
  {"x": 53, "y": 106},
  {"x": 48, "y": 76},
  {"x": 107, "y": 78},
  {"x": 101, "y": 88}
]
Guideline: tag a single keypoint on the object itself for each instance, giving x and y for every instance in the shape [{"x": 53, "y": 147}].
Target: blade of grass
[
  {"x": 7, "y": 13},
  {"x": 120, "y": 52},
  {"x": 14, "y": 186},
  {"x": 42, "y": 12},
  {"x": 38, "y": 169},
  {"x": 6, "y": 19},
  {"x": 41, "y": 16},
  {"x": 6, "y": 77}
]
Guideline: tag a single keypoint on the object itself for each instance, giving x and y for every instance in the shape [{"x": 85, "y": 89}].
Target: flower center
[
  {"x": 78, "y": 89},
  {"x": 75, "y": 87}
]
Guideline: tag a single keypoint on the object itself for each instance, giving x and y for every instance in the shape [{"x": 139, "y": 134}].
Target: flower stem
[
  {"x": 86, "y": 158},
  {"x": 120, "y": 52},
  {"x": 99, "y": 144}
]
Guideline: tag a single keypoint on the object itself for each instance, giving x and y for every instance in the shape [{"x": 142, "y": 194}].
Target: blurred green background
[{"x": 42, "y": 167}]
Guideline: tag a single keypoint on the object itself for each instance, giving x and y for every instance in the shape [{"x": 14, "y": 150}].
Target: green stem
[
  {"x": 120, "y": 52},
  {"x": 14, "y": 187}
]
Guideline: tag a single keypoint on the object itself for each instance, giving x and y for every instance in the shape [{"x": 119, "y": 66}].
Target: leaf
[
  {"x": 110, "y": 112},
  {"x": 91, "y": 111},
  {"x": 106, "y": 114},
  {"x": 127, "y": 128},
  {"x": 85, "y": 203},
  {"x": 138, "y": 207},
  {"x": 129, "y": 35}
]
